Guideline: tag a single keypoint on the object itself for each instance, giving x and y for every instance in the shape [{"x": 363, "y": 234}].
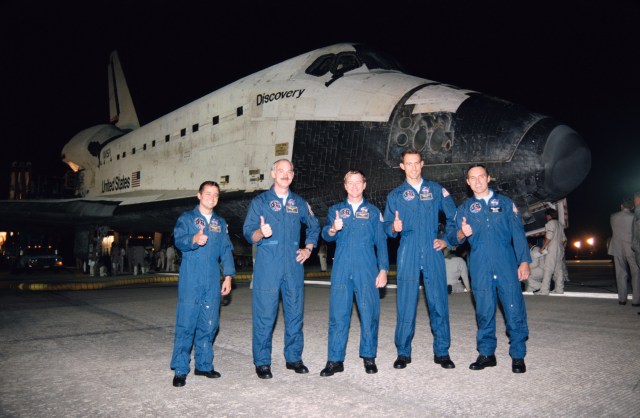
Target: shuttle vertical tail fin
[{"x": 121, "y": 110}]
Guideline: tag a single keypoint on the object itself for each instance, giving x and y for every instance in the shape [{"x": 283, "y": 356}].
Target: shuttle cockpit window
[
  {"x": 376, "y": 59},
  {"x": 345, "y": 62},
  {"x": 335, "y": 64},
  {"x": 321, "y": 65},
  {"x": 338, "y": 64}
]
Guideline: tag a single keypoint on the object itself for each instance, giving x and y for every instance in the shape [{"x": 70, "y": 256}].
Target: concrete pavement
[{"x": 107, "y": 353}]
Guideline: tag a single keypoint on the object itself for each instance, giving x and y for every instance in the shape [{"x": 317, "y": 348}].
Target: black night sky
[{"x": 577, "y": 64}]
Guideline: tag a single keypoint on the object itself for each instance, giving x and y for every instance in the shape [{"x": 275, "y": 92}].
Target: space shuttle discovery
[{"x": 330, "y": 110}]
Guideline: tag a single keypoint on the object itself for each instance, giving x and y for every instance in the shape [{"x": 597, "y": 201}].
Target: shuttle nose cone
[{"x": 567, "y": 161}]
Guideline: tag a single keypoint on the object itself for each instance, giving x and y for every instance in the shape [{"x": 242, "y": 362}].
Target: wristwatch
[{"x": 308, "y": 249}]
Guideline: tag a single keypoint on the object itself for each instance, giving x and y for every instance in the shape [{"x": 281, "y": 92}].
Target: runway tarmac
[{"x": 106, "y": 353}]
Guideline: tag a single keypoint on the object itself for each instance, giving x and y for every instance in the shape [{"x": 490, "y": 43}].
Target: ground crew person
[
  {"x": 322, "y": 256},
  {"x": 203, "y": 239},
  {"x": 498, "y": 262},
  {"x": 624, "y": 260},
  {"x": 360, "y": 266},
  {"x": 553, "y": 249},
  {"x": 273, "y": 223},
  {"x": 412, "y": 210},
  {"x": 536, "y": 272}
]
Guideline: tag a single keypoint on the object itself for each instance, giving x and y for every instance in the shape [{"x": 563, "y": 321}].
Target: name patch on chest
[
  {"x": 215, "y": 226},
  {"x": 425, "y": 194},
  {"x": 362, "y": 214},
  {"x": 292, "y": 209},
  {"x": 494, "y": 206}
]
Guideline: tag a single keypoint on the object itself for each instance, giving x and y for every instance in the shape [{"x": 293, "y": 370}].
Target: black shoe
[
  {"x": 483, "y": 361},
  {"x": 449, "y": 289},
  {"x": 444, "y": 361},
  {"x": 370, "y": 365},
  {"x": 635, "y": 305},
  {"x": 212, "y": 374},
  {"x": 179, "y": 380},
  {"x": 226, "y": 300},
  {"x": 331, "y": 368},
  {"x": 298, "y": 366},
  {"x": 264, "y": 372},
  {"x": 622, "y": 303},
  {"x": 401, "y": 362},
  {"x": 518, "y": 366}
]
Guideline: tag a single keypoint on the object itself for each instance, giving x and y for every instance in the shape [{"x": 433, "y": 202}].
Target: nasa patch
[
  {"x": 214, "y": 225},
  {"x": 494, "y": 202},
  {"x": 475, "y": 207},
  {"x": 408, "y": 195},
  {"x": 425, "y": 194},
  {"x": 291, "y": 206},
  {"x": 275, "y": 205}
]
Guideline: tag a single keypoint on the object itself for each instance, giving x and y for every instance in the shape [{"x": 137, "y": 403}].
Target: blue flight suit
[
  {"x": 498, "y": 246},
  {"x": 419, "y": 213},
  {"x": 198, "y": 309},
  {"x": 355, "y": 269},
  {"x": 276, "y": 270}
]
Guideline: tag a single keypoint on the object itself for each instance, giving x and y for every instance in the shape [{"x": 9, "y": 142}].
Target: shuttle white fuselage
[
  {"x": 330, "y": 110},
  {"x": 234, "y": 135}
]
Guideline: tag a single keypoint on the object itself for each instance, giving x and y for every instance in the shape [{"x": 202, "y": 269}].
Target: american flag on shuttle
[{"x": 135, "y": 179}]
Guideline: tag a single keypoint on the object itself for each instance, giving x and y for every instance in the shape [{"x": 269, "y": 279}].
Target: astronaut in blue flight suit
[
  {"x": 273, "y": 223},
  {"x": 412, "y": 210},
  {"x": 498, "y": 262},
  {"x": 360, "y": 267},
  {"x": 203, "y": 239}
]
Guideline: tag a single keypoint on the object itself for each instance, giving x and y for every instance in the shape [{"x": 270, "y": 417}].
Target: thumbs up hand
[
  {"x": 466, "y": 228},
  {"x": 338, "y": 223},
  {"x": 265, "y": 229},
  {"x": 200, "y": 238},
  {"x": 397, "y": 223}
]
